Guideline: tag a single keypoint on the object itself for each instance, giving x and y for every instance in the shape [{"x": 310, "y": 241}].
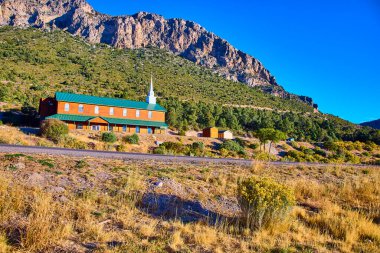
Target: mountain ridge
[
  {"x": 185, "y": 38},
  {"x": 374, "y": 124}
]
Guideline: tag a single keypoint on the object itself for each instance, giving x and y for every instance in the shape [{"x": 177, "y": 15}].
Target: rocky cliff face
[{"x": 181, "y": 37}]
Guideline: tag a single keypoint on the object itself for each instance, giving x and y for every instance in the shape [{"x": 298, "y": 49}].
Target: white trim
[{"x": 81, "y": 108}]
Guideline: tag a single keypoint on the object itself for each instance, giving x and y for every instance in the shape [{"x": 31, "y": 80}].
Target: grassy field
[{"x": 62, "y": 204}]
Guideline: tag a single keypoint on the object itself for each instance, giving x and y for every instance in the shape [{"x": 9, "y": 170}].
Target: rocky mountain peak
[{"x": 184, "y": 38}]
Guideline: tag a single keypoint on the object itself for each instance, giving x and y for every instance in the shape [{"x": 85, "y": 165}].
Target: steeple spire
[
  {"x": 151, "y": 99},
  {"x": 151, "y": 91}
]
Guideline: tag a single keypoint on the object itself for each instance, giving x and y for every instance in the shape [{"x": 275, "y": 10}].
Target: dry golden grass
[
  {"x": 30, "y": 218},
  {"x": 3, "y": 244},
  {"x": 176, "y": 241},
  {"x": 11, "y": 135},
  {"x": 335, "y": 211},
  {"x": 347, "y": 227}
]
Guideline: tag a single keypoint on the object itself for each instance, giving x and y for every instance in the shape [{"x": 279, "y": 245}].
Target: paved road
[
  {"x": 114, "y": 155},
  {"x": 136, "y": 156}
]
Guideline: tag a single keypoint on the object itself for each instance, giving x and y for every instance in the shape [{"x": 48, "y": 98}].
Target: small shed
[
  {"x": 211, "y": 132},
  {"x": 226, "y": 135}
]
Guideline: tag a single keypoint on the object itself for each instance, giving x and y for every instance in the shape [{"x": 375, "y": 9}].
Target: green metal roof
[
  {"x": 135, "y": 122},
  {"x": 70, "y": 117},
  {"x": 116, "y": 102},
  {"x": 118, "y": 121}
]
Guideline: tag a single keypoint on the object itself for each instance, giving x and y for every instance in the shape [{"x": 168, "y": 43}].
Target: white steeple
[{"x": 151, "y": 99}]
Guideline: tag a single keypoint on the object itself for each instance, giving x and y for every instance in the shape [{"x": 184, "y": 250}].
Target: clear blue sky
[{"x": 329, "y": 50}]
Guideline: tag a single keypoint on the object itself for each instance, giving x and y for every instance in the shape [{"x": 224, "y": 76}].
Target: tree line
[{"x": 185, "y": 115}]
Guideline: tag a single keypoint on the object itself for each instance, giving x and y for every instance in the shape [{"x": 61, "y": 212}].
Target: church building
[{"x": 106, "y": 114}]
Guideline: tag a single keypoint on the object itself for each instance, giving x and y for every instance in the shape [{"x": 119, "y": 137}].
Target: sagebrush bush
[
  {"x": 54, "y": 129},
  {"x": 263, "y": 201},
  {"x": 132, "y": 139},
  {"x": 197, "y": 148},
  {"x": 263, "y": 156},
  {"x": 231, "y": 145},
  {"x": 172, "y": 148},
  {"x": 177, "y": 148},
  {"x": 121, "y": 148},
  {"x": 109, "y": 137},
  {"x": 161, "y": 150},
  {"x": 254, "y": 146},
  {"x": 71, "y": 142}
]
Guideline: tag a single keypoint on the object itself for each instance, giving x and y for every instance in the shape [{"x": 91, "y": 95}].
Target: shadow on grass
[
  {"x": 171, "y": 207},
  {"x": 30, "y": 130},
  {"x": 26, "y": 116}
]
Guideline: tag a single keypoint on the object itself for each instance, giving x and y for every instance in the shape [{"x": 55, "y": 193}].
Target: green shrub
[
  {"x": 223, "y": 152},
  {"x": 11, "y": 156},
  {"x": 320, "y": 152},
  {"x": 365, "y": 171},
  {"x": 53, "y": 129},
  {"x": 46, "y": 162},
  {"x": 81, "y": 164},
  {"x": 349, "y": 145},
  {"x": 1, "y": 123},
  {"x": 109, "y": 137},
  {"x": 308, "y": 151},
  {"x": 358, "y": 145},
  {"x": 132, "y": 139},
  {"x": 294, "y": 145},
  {"x": 161, "y": 150},
  {"x": 367, "y": 154},
  {"x": 254, "y": 146},
  {"x": 331, "y": 146},
  {"x": 232, "y": 146},
  {"x": 198, "y": 145},
  {"x": 370, "y": 146},
  {"x": 71, "y": 142},
  {"x": 294, "y": 156},
  {"x": 44, "y": 143},
  {"x": 175, "y": 148},
  {"x": 351, "y": 158},
  {"x": 121, "y": 148},
  {"x": 263, "y": 202},
  {"x": 197, "y": 148},
  {"x": 263, "y": 156},
  {"x": 241, "y": 142}
]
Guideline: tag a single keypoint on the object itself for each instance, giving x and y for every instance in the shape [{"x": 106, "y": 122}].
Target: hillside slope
[
  {"x": 184, "y": 38},
  {"x": 37, "y": 63}
]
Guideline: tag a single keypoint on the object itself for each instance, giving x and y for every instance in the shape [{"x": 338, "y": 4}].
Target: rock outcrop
[{"x": 184, "y": 38}]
